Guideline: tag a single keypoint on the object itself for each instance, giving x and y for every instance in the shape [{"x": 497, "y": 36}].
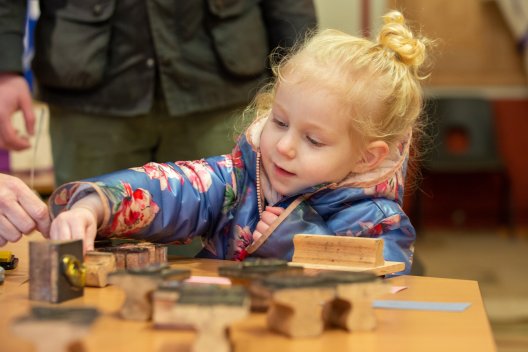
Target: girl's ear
[{"x": 373, "y": 155}]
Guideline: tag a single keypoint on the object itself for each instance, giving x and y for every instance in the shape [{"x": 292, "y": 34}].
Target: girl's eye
[
  {"x": 314, "y": 142},
  {"x": 279, "y": 123}
]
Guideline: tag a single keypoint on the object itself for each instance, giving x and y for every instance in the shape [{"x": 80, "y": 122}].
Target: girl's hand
[
  {"x": 80, "y": 222},
  {"x": 269, "y": 215}
]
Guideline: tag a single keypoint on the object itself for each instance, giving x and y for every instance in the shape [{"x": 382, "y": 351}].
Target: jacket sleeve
[
  {"x": 167, "y": 203},
  {"x": 12, "y": 27},
  {"x": 288, "y": 20},
  {"x": 374, "y": 219}
]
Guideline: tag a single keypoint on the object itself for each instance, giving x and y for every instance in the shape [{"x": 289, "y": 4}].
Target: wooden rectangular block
[
  {"x": 129, "y": 257},
  {"x": 338, "y": 250},
  {"x": 48, "y": 280},
  {"x": 98, "y": 266}
]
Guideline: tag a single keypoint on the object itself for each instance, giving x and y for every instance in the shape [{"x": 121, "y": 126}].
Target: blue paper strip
[{"x": 415, "y": 305}]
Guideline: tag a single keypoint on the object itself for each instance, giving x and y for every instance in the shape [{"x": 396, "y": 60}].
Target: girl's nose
[{"x": 286, "y": 146}]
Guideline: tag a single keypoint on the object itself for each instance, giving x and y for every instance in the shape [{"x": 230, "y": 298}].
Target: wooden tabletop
[{"x": 398, "y": 330}]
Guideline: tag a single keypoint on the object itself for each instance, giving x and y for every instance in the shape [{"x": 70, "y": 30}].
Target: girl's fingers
[
  {"x": 60, "y": 230},
  {"x": 268, "y": 217},
  {"x": 256, "y": 235},
  {"x": 261, "y": 227},
  {"x": 275, "y": 210}
]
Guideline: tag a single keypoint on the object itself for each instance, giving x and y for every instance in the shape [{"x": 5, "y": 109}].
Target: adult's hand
[
  {"x": 14, "y": 96},
  {"x": 21, "y": 210}
]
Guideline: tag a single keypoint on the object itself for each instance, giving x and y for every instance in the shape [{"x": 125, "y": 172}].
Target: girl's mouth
[{"x": 280, "y": 171}]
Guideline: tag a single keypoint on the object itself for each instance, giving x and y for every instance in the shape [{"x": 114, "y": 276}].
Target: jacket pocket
[
  {"x": 239, "y": 36},
  {"x": 72, "y": 43}
]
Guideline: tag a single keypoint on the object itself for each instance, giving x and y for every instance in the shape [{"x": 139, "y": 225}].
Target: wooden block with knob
[
  {"x": 251, "y": 272},
  {"x": 139, "y": 284},
  {"x": 297, "y": 304},
  {"x": 351, "y": 308},
  {"x": 209, "y": 309},
  {"x": 55, "y": 329},
  {"x": 56, "y": 271}
]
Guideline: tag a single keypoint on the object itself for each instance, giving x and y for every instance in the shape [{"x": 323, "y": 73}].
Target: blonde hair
[{"x": 379, "y": 82}]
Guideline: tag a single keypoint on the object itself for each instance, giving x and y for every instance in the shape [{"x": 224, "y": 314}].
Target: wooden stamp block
[
  {"x": 346, "y": 253},
  {"x": 56, "y": 272},
  {"x": 298, "y": 303},
  {"x": 250, "y": 273},
  {"x": 137, "y": 254},
  {"x": 54, "y": 329},
  {"x": 209, "y": 309},
  {"x": 139, "y": 284},
  {"x": 98, "y": 265},
  {"x": 129, "y": 257},
  {"x": 157, "y": 252},
  {"x": 351, "y": 309}
]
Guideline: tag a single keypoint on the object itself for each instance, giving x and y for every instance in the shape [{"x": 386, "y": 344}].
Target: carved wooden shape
[
  {"x": 209, "y": 309},
  {"x": 54, "y": 329},
  {"x": 139, "y": 284},
  {"x": 251, "y": 272},
  {"x": 98, "y": 265}
]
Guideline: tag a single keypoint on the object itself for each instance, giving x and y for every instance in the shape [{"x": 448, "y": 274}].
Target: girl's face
[{"x": 306, "y": 139}]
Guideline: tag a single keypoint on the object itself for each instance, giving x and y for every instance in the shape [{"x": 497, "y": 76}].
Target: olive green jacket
[{"x": 117, "y": 56}]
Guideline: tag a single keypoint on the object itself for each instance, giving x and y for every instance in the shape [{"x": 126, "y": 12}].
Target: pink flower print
[
  {"x": 233, "y": 160},
  {"x": 387, "y": 189},
  {"x": 65, "y": 194},
  {"x": 243, "y": 237},
  {"x": 391, "y": 222},
  {"x": 199, "y": 173},
  {"x": 368, "y": 228},
  {"x": 62, "y": 197},
  {"x": 161, "y": 172},
  {"x": 136, "y": 211},
  {"x": 386, "y": 224},
  {"x": 238, "y": 161}
]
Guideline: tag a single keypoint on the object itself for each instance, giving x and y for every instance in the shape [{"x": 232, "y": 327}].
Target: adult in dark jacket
[{"x": 133, "y": 81}]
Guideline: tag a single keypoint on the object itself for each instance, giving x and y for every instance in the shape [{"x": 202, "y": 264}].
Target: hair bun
[{"x": 396, "y": 36}]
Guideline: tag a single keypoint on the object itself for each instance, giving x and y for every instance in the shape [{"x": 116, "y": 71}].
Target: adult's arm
[{"x": 14, "y": 91}]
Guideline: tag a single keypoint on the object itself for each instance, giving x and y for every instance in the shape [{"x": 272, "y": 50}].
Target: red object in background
[
  {"x": 475, "y": 199},
  {"x": 512, "y": 130}
]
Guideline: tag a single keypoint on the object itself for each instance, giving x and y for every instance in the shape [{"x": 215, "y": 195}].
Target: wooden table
[{"x": 398, "y": 330}]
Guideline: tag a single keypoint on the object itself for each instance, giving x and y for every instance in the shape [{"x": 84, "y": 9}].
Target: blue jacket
[{"x": 216, "y": 198}]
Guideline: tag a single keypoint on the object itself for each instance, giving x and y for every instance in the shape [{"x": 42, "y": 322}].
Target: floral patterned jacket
[{"x": 217, "y": 198}]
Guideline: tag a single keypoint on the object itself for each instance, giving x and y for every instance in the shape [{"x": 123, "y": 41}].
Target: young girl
[{"x": 326, "y": 154}]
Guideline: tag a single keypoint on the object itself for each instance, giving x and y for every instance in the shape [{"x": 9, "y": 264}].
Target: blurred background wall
[{"x": 476, "y": 56}]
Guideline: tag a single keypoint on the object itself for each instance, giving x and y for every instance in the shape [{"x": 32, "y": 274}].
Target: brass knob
[{"x": 74, "y": 271}]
